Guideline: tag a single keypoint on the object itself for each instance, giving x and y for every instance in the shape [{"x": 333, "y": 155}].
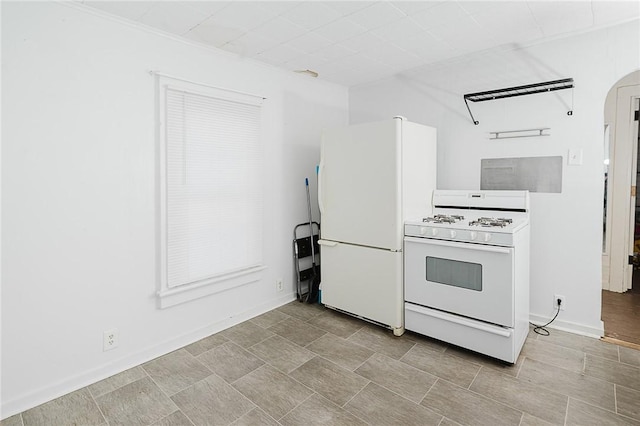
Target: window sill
[{"x": 168, "y": 297}]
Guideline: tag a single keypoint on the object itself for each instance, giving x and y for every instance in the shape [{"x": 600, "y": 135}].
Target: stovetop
[
  {"x": 480, "y": 228},
  {"x": 478, "y": 222},
  {"x": 463, "y": 232},
  {"x": 481, "y": 217},
  {"x": 485, "y": 222}
]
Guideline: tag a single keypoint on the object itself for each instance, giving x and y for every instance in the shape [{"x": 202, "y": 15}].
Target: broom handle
[{"x": 313, "y": 252}]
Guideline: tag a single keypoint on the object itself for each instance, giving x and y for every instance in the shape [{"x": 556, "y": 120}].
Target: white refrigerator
[{"x": 371, "y": 178}]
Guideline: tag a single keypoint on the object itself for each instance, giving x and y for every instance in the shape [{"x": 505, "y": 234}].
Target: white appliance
[
  {"x": 467, "y": 271},
  {"x": 371, "y": 178}
]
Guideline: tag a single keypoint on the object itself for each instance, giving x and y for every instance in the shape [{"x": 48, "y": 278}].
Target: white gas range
[{"x": 466, "y": 271}]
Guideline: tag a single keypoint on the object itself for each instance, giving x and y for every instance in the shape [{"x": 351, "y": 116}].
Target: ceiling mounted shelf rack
[{"x": 510, "y": 92}]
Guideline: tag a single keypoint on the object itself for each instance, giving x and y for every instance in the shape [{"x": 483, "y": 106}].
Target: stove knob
[
  {"x": 473, "y": 235},
  {"x": 487, "y": 237},
  {"x": 423, "y": 231},
  {"x": 453, "y": 234},
  {"x": 434, "y": 232}
]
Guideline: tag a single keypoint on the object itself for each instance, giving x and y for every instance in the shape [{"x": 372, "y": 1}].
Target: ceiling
[{"x": 355, "y": 42}]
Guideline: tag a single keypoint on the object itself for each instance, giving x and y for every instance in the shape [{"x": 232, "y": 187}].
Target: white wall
[
  {"x": 566, "y": 228},
  {"x": 79, "y": 200}
]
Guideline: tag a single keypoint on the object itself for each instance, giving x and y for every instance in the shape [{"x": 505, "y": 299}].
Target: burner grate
[
  {"x": 443, "y": 218},
  {"x": 491, "y": 222}
]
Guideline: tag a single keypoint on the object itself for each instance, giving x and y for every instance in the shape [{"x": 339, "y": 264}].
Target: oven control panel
[{"x": 478, "y": 236}]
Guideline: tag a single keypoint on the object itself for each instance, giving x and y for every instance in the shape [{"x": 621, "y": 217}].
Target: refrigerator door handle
[
  {"x": 327, "y": 243},
  {"x": 320, "y": 204}
]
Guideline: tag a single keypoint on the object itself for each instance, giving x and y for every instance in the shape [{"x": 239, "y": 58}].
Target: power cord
[{"x": 540, "y": 329}]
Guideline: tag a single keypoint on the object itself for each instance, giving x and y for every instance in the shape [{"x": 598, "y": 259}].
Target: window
[
  {"x": 210, "y": 190},
  {"x": 454, "y": 272}
]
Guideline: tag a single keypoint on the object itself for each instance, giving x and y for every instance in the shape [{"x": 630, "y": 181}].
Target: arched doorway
[{"x": 621, "y": 225}]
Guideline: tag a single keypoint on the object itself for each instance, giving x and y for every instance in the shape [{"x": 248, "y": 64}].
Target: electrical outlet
[
  {"x": 563, "y": 303},
  {"x": 110, "y": 339},
  {"x": 279, "y": 284}
]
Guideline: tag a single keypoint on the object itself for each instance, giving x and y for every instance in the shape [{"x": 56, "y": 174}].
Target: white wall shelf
[{"x": 509, "y": 92}]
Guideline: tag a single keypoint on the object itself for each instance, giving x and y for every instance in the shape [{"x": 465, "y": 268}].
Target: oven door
[{"x": 473, "y": 280}]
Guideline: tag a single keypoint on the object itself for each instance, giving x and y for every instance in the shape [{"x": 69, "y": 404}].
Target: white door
[
  {"x": 621, "y": 221},
  {"x": 633, "y": 200},
  {"x": 359, "y": 185},
  {"x": 363, "y": 281},
  {"x": 472, "y": 280}
]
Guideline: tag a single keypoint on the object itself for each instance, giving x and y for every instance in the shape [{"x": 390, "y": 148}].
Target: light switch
[{"x": 575, "y": 157}]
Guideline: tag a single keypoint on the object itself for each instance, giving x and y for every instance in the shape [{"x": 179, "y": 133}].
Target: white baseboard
[
  {"x": 79, "y": 381},
  {"x": 570, "y": 327}
]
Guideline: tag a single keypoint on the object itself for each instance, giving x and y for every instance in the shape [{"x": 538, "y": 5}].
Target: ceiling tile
[
  {"x": 363, "y": 63},
  {"x": 376, "y": 15},
  {"x": 333, "y": 52},
  {"x": 546, "y": 9},
  {"x": 124, "y": 9},
  {"x": 365, "y": 42},
  {"x": 478, "y": 43},
  {"x": 176, "y": 18},
  {"x": 472, "y": 7},
  {"x": 411, "y": 7},
  {"x": 510, "y": 22},
  {"x": 515, "y": 34},
  {"x": 561, "y": 16},
  {"x": 397, "y": 58},
  {"x": 243, "y": 15},
  {"x": 250, "y": 44},
  {"x": 511, "y": 14},
  {"x": 340, "y": 30},
  {"x": 559, "y": 26},
  {"x": 448, "y": 13},
  {"x": 309, "y": 42},
  {"x": 466, "y": 29},
  {"x": 419, "y": 73},
  {"x": 311, "y": 15},
  {"x": 385, "y": 52},
  {"x": 608, "y": 12},
  {"x": 345, "y": 8},
  {"x": 425, "y": 46},
  {"x": 279, "y": 7},
  {"x": 234, "y": 48},
  {"x": 280, "y": 29},
  {"x": 351, "y": 42},
  {"x": 280, "y": 54},
  {"x": 214, "y": 33},
  {"x": 435, "y": 57},
  {"x": 208, "y": 7},
  {"x": 397, "y": 30}
]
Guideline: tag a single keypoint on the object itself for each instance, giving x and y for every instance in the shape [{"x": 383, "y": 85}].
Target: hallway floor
[
  {"x": 621, "y": 315},
  {"x": 307, "y": 365}
]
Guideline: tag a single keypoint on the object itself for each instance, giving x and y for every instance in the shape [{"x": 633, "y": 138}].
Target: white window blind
[{"x": 213, "y": 196}]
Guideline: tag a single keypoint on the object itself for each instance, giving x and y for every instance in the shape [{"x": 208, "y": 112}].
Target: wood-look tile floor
[
  {"x": 621, "y": 314},
  {"x": 307, "y": 365}
]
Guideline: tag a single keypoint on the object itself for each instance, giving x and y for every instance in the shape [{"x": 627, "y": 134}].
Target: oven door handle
[
  {"x": 468, "y": 246},
  {"x": 493, "y": 329}
]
